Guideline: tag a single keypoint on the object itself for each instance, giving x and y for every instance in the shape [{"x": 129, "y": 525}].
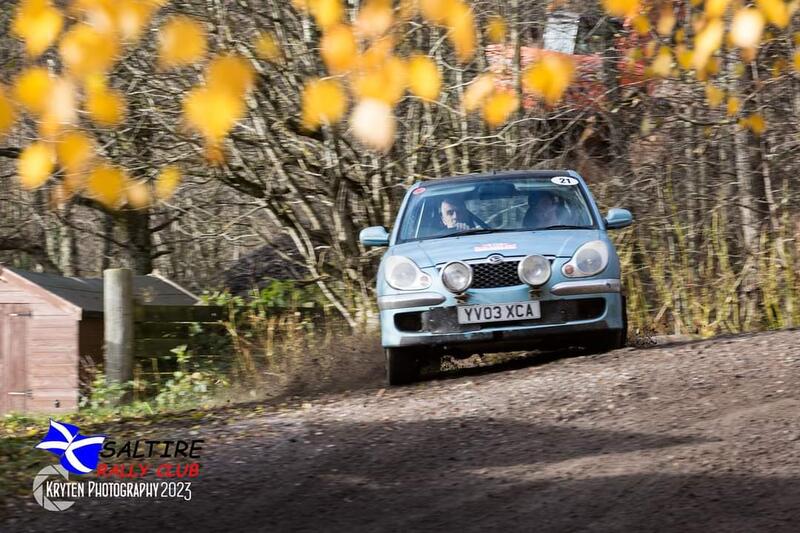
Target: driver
[
  {"x": 455, "y": 215},
  {"x": 544, "y": 210}
]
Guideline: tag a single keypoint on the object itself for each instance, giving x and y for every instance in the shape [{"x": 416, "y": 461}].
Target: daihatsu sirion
[{"x": 497, "y": 262}]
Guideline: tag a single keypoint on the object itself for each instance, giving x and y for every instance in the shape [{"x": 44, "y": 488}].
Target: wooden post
[{"x": 118, "y": 324}]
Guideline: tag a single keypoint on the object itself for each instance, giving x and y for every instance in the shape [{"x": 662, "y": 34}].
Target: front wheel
[
  {"x": 402, "y": 366},
  {"x": 613, "y": 339}
]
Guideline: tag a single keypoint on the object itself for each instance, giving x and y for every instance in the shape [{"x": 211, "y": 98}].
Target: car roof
[{"x": 497, "y": 175}]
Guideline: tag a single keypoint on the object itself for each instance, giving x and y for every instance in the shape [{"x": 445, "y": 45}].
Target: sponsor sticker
[
  {"x": 419, "y": 190},
  {"x": 492, "y": 247}
]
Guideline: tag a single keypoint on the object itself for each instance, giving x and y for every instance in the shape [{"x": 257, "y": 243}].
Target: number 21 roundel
[{"x": 564, "y": 180}]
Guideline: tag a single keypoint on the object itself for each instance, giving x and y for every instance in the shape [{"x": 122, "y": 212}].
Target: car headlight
[
  {"x": 534, "y": 270},
  {"x": 403, "y": 274},
  {"x": 590, "y": 259},
  {"x": 457, "y": 277}
]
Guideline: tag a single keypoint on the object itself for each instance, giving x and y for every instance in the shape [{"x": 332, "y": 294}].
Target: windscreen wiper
[
  {"x": 481, "y": 231},
  {"x": 561, "y": 226}
]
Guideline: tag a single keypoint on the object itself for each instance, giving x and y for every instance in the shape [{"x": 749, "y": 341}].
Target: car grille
[{"x": 489, "y": 276}]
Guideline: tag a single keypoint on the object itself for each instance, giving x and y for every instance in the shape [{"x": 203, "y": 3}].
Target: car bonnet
[{"x": 558, "y": 243}]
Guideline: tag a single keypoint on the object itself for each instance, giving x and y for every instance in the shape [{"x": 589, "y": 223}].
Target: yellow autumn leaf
[
  {"x": 716, "y": 8},
  {"x": 327, "y": 13},
  {"x": 38, "y": 23},
  {"x": 797, "y": 60},
  {"x": 167, "y": 182},
  {"x": 436, "y": 11},
  {"x": 746, "y": 28},
  {"x": 550, "y": 77},
  {"x": 182, "y": 41},
  {"x": 778, "y": 67},
  {"x": 634, "y": 54},
  {"x": 106, "y": 183},
  {"x": 754, "y": 123},
  {"x": 662, "y": 64},
  {"x": 212, "y": 112},
  {"x": 127, "y": 18},
  {"x": 106, "y": 15},
  {"x": 707, "y": 42},
  {"x": 213, "y": 152},
  {"x": 33, "y": 88},
  {"x": 377, "y": 54},
  {"x": 375, "y": 18},
  {"x": 461, "y": 23},
  {"x": 35, "y": 164},
  {"x": 477, "y": 92},
  {"x": 267, "y": 47},
  {"x": 99, "y": 14},
  {"x": 62, "y": 106},
  {"x": 714, "y": 95},
  {"x": 684, "y": 57},
  {"x": 232, "y": 73},
  {"x": 496, "y": 29},
  {"x": 86, "y": 51},
  {"x": 666, "y": 21},
  {"x": 407, "y": 9},
  {"x": 680, "y": 35},
  {"x": 621, "y": 8},
  {"x": 733, "y": 106},
  {"x": 374, "y": 124},
  {"x": 387, "y": 82},
  {"x": 323, "y": 102},
  {"x": 8, "y": 114},
  {"x": 650, "y": 48},
  {"x": 424, "y": 78},
  {"x": 75, "y": 151},
  {"x": 498, "y": 107},
  {"x": 712, "y": 66},
  {"x": 339, "y": 49},
  {"x": 641, "y": 25},
  {"x": 775, "y": 11},
  {"x": 106, "y": 107},
  {"x": 132, "y": 16},
  {"x": 137, "y": 194}
]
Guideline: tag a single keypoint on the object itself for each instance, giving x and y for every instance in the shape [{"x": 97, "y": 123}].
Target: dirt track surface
[{"x": 695, "y": 437}]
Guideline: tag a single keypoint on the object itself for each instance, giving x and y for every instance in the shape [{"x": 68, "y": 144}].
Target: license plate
[{"x": 475, "y": 314}]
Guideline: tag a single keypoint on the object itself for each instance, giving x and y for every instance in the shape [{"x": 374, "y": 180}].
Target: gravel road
[{"x": 700, "y": 436}]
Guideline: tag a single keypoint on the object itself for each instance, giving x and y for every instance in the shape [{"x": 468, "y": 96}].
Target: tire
[
  {"x": 613, "y": 339},
  {"x": 402, "y": 366}
]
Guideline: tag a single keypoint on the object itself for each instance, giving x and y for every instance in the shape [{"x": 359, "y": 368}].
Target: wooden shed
[{"x": 49, "y": 324}]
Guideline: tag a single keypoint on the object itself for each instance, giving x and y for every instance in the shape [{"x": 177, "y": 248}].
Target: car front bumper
[{"x": 569, "y": 308}]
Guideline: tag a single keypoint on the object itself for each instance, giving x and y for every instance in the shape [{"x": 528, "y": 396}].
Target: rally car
[{"x": 497, "y": 262}]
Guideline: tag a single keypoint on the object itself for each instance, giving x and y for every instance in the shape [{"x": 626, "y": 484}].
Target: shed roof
[{"x": 87, "y": 293}]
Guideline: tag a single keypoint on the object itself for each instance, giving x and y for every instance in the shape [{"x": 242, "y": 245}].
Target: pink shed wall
[{"x": 52, "y": 352}]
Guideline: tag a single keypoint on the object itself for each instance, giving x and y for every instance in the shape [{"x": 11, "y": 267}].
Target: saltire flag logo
[{"x": 79, "y": 454}]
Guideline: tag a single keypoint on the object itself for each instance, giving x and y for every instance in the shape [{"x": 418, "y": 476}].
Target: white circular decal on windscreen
[{"x": 564, "y": 180}]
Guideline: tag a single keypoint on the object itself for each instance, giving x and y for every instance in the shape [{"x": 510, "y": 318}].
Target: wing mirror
[
  {"x": 374, "y": 236},
  {"x": 618, "y": 218}
]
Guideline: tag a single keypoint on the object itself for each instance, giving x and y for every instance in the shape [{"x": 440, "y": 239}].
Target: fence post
[{"x": 118, "y": 325}]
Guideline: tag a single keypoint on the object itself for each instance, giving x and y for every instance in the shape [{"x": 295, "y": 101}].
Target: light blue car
[{"x": 497, "y": 262}]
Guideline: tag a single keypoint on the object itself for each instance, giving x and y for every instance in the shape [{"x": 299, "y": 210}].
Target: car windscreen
[{"x": 494, "y": 205}]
